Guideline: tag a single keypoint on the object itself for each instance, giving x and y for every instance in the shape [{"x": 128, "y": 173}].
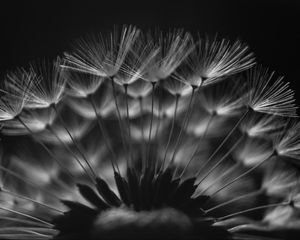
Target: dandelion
[
  {"x": 102, "y": 56},
  {"x": 258, "y": 125},
  {"x": 47, "y": 86},
  {"x": 214, "y": 59},
  {"x": 37, "y": 120},
  {"x": 81, "y": 85},
  {"x": 143, "y": 136},
  {"x": 286, "y": 144},
  {"x": 13, "y": 101},
  {"x": 267, "y": 96}
]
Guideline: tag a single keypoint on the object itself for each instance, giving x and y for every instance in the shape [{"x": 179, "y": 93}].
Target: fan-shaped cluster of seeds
[{"x": 149, "y": 135}]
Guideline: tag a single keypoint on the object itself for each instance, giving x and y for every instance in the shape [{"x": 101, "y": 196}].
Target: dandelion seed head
[
  {"x": 268, "y": 94},
  {"x": 139, "y": 89},
  {"x": 36, "y": 119},
  {"x": 174, "y": 47},
  {"x": 258, "y": 125},
  {"x": 253, "y": 151},
  {"x": 176, "y": 87},
  {"x": 102, "y": 55},
  {"x": 279, "y": 179},
  {"x": 132, "y": 133},
  {"x": 12, "y": 100},
  {"x": 214, "y": 59},
  {"x": 139, "y": 59},
  {"x": 80, "y": 84},
  {"x": 47, "y": 86},
  {"x": 287, "y": 143},
  {"x": 206, "y": 125},
  {"x": 77, "y": 126},
  {"x": 220, "y": 99},
  {"x": 103, "y": 100}
]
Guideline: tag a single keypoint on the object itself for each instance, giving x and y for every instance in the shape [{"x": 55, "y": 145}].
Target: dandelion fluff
[{"x": 148, "y": 135}]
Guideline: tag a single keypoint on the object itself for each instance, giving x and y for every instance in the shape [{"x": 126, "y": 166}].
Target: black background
[{"x": 32, "y": 30}]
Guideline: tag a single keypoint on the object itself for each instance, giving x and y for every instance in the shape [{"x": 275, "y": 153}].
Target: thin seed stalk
[
  {"x": 104, "y": 134},
  {"x": 171, "y": 131},
  {"x": 196, "y": 149},
  {"x": 225, "y": 139},
  {"x": 286, "y": 203},
  {"x": 151, "y": 123},
  {"x": 119, "y": 120},
  {"x": 251, "y": 194},
  {"x": 75, "y": 143},
  {"x": 128, "y": 122},
  {"x": 183, "y": 128},
  {"x": 72, "y": 152},
  {"x": 47, "y": 150},
  {"x": 244, "y": 174},
  {"x": 30, "y": 200},
  {"x": 221, "y": 160},
  {"x": 143, "y": 135},
  {"x": 27, "y": 216}
]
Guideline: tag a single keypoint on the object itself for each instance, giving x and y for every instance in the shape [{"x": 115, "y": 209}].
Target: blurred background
[{"x": 31, "y": 30}]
